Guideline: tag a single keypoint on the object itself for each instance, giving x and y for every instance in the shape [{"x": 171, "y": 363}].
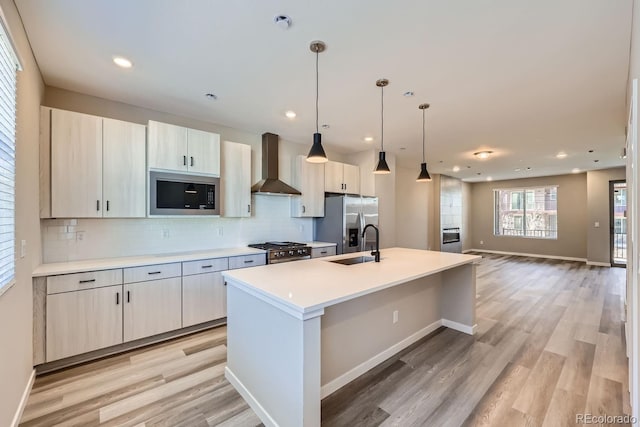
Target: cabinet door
[
  {"x": 309, "y": 179},
  {"x": 351, "y": 179},
  {"x": 152, "y": 307},
  {"x": 124, "y": 166},
  {"x": 204, "y": 298},
  {"x": 333, "y": 177},
  {"x": 76, "y": 165},
  {"x": 82, "y": 321},
  {"x": 236, "y": 180},
  {"x": 204, "y": 152},
  {"x": 167, "y": 147}
]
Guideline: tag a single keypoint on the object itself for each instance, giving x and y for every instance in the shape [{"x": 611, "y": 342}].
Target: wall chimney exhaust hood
[{"x": 270, "y": 184}]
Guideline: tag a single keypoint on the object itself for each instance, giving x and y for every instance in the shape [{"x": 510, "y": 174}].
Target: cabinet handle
[
  {"x": 191, "y": 160},
  {"x": 249, "y": 261},
  {"x": 249, "y": 208},
  {"x": 97, "y": 205},
  {"x": 154, "y": 272},
  {"x": 184, "y": 160},
  {"x": 207, "y": 266},
  {"x": 107, "y": 206},
  {"x": 225, "y": 283},
  {"x": 304, "y": 209},
  {"x": 117, "y": 298},
  {"x": 87, "y": 281},
  {"x": 323, "y": 252},
  {"x": 128, "y": 296}
]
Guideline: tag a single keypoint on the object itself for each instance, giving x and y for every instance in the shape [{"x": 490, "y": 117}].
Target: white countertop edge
[
  {"x": 80, "y": 266},
  {"x": 315, "y": 245},
  {"x": 302, "y": 312}
]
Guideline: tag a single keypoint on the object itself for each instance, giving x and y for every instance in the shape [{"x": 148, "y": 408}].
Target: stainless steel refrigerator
[{"x": 344, "y": 219}]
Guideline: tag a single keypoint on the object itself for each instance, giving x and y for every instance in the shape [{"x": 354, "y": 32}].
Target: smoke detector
[{"x": 282, "y": 21}]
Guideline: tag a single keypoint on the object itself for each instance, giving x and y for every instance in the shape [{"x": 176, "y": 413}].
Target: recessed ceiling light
[
  {"x": 575, "y": 170},
  {"x": 325, "y": 126},
  {"x": 478, "y": 173},
  {"x": 211, "y": 96},
  {"x": 517, "y": 169},
  {"x": 408, "y": 93},
  {"x": 483, "y": 155},
  {"x": 596, "y": 161},
  {"x": 122, "y": 62},
  {"x": 282, "y": 21},
  {"x": 290, "y": 114},
  {"x": 591, "y": 151},
  {"x": 529, "y": 168},
  {"x": 403, "y": 148},
  {"x": 456, "y": 169},
  {"x": 561, "y": 155},
  {"x": 489, "y": 178},
  {"x": 368, "y": 138}
]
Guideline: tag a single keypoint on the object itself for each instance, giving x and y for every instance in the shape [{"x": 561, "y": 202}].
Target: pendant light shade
[
  {"x": 424, "y": 173},
  {"x": 382, "y": 167},
  {"x": 317, "y": 154}
]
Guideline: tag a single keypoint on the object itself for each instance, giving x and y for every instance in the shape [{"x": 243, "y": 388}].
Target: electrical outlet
[
  {"x": 79, "y": 236},
  {"x": 165, "y": 233},
  {"x": 23, "y": 248},
  {"x": 395, "y": 316},
  {"x": 482, "y": 242},
  {"x": 596, "y": 224}
]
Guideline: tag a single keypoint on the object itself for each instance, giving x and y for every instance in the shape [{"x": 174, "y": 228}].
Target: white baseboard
[
  {"x": 249, "y": 398},
  {"x": 599, "y": 264},
  {"x": 23, "y": 400},
  {"x": 354, "y": 373},
  {"x": 563, "y": 258},
  {"x": 471, "y": 330}
]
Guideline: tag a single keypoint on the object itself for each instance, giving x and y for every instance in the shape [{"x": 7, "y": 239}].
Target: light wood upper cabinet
[
  {"x": 76, "y": 165},
  {"x": 83, "y": 321},
  {"x": 152, "y": 307},
  {"x": 236, "y": 179},
  {"x": 204, "y": 298},
  {"x": 123, "y": 178},
  {"x": 341, "y": 178},
  {"x": 181, "y": 149},
  {"x": 309, "y": 178},
  {"x": 167, "y": 146}
]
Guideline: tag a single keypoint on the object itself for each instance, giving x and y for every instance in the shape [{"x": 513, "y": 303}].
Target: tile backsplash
[{"x": 78, "y": 239}]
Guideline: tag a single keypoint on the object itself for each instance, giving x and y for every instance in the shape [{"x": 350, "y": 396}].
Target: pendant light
[
  {"x": 317, "y": 154},
  {"x": 424, "y": 174},
  {"x": 382, "y": 167}
]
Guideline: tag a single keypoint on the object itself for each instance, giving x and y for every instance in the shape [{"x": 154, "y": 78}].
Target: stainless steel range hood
[{"x": 270, "y": 184}]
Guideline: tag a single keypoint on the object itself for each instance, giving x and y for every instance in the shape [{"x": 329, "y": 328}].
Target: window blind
[{"x": 8, "y": 69}]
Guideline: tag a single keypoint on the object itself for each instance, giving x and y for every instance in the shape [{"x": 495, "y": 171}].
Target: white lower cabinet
[
  {"x": 82, "y": 321},
  {"x": 322, "y": 252},
  {"x": 152, "y": 307},
  {"x": 204, "y": 298}
]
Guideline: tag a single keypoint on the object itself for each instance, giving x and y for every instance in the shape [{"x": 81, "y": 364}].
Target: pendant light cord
[
  {"x": 423, "y": 136},
  {"x": 382, "y": 119},
  {"x": 317, "y": 90}
]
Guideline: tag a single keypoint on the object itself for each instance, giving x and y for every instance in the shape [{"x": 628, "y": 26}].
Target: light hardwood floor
[{"x": 550, "y": 345}]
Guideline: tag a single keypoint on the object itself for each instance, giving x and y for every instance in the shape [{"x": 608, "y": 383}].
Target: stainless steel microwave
[{"x": 182, "y": 194}]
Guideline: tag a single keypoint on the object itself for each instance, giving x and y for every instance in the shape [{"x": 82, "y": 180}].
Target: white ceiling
[{"x": 523, "y": 78}]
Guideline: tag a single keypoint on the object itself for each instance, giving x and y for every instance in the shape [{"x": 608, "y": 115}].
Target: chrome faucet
[{"x": 375, "y": 253}]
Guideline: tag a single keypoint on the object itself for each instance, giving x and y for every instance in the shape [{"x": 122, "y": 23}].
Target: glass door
[{"x": 618, "y": 225}]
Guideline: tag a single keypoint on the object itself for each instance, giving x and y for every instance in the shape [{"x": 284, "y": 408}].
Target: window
[
  {"x": 8, "y": 67},
  {"x": 527, "y": 212}
]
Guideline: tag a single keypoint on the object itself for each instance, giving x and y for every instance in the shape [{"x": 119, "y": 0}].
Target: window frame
[{"x": 523, "y": 190}]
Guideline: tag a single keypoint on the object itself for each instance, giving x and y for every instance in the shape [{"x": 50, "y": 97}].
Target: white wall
[
  {"x": 413, "y": 213},
  {"x": 16, "y": 303},
  {"x": 104, "y": 238}
]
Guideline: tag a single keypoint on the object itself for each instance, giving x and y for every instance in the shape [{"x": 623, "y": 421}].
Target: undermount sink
[{"x": 354, "y": 260}]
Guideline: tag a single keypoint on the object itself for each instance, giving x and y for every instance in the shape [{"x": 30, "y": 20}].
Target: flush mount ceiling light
[
  {"x": 368, "y": 139},
  {"x": 561, "y": 155},
  {"x": 456, "y": 169},
  {"x": 424, "y": 174},
  {"x": 290, "y": 114},
  {"x": 575, "y": 170},
  {"x": 483, "y": 155},
  {"x": 122, "y": 62},
  {"x": 317, "y": 154},
  {"x": 489, "y": 178},
  {"x": 382, "y": 167},
  {"x": 211, "y": 96}
]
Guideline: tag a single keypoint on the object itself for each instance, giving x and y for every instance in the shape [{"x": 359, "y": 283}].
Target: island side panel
[
  {"x": 360, "y": 334},
  {"x": 459, "y": 298},
  {"x": 273, "y": 360}
]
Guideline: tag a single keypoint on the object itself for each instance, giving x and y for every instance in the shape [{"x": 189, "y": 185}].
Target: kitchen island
[{"x": 299, "y": 331}]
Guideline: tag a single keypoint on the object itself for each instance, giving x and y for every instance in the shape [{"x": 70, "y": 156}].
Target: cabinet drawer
[
  {"x": 81, "y": 281},
  {"x": 320, "y": 252},
  {"x": 152, "y": 272},
  {"x": 205, "y": 266},
  {"x": 247, "y": 261}
]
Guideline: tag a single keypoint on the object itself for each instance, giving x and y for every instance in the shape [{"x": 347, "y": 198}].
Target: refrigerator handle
[{"x": 360, "y": 228}]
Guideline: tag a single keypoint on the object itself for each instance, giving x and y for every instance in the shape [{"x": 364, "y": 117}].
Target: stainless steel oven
[{"x": 182, "y": 194}]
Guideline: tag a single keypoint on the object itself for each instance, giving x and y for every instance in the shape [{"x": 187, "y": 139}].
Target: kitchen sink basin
[{"x": 354, "y": 260}]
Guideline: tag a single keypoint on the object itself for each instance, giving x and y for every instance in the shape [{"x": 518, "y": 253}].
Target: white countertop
[
  {"x": 137, "y": 261},
  {"x": 310, "y": 285},
  {"x": 314, "y": 245}
]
